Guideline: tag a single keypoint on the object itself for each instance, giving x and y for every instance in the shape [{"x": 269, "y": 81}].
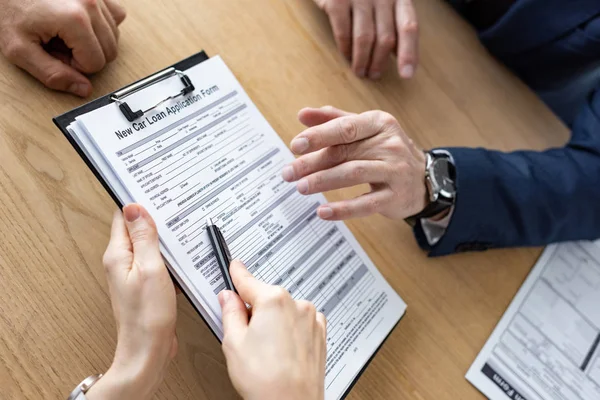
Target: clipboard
[
  {"x": 132, "y": 113},
  {"x": 119, "y": 97}
]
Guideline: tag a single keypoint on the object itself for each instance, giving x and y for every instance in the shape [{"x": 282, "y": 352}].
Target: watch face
[{"x": 444, "y": 176}]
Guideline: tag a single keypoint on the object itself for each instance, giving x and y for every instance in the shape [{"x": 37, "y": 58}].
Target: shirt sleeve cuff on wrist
[{"x": 435, "y": 229}]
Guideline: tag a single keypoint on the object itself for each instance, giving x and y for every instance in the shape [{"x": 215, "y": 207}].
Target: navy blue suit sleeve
[{"x": 527, "y": 198}]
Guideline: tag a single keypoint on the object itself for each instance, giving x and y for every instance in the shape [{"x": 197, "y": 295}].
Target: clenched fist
[{"x": 58, "y": 42}]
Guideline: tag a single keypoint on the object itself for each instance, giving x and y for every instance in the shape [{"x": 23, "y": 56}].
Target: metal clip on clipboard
[{"x": 117, "y": 97}]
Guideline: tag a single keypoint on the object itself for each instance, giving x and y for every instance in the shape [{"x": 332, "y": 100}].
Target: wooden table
[{"x": 56, "y": 323}]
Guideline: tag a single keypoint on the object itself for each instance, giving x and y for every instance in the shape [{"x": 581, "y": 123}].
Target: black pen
[{"x": 221, "y": 252}]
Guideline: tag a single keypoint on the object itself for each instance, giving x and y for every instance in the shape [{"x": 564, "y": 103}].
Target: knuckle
[
  {"x": 316, "y": 182},
  {"x": 387, "y": 41},
  {"x": 364, "y": 38},
  {"x": 410, "y": 27},
  {"x": 334, "y": 5},
  {"x": 395, "y": 144},
  {"x": 357, "y": 173},
  {"x": 278, "y": 296},
  {"x": 306, "y": 307},
  {"x": 77, "y": 15},
  {"x": 338, "y": 154},
  {"x": 302, "y": 167},
  {"x": 403, "y": 168},
  {"x": 373, "y": 205},
  {"x": 342, "y": 36},
  {"x": 119, "y": 14},
  {"x": 328, "y": 109},
  {"x": 111, "y": 52},
  {"x": 90, "y": 3},
  {"x": 343, "y": 210},
  {"x": 322, "y": 318},
  {"x": 14, "y": 51},
  {"x": 387, "y": 120},
  {"x": 54, "y": 79},
  {"x": 142, "y": 235},
  {"x": 349, "y": 130}
]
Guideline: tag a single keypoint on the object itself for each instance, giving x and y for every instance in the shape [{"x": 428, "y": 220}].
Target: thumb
[
  {"x": 49, "y": 70},
  {"x": 143, "y": 235},
  {"x": 317, "y": 116},
  {"x": 235, "y": 313}
]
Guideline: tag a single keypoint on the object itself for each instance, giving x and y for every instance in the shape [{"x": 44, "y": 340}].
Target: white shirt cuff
[{"x": 434, "y": 230}]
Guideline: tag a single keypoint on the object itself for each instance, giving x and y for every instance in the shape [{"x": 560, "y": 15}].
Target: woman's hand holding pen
[{"x": 280, "y": 352}]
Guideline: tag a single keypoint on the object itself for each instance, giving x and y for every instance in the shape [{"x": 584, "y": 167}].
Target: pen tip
[{"x": 209, "y": 221}]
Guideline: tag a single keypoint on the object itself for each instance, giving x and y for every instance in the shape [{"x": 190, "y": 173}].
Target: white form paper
[
  {"x": 213, "y": 154},
  {"x": 546, "y": 346}
]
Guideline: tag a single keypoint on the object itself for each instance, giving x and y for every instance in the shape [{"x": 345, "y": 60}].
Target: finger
[
  {"x": 361, "y": 206},
  {"x": 103, "y": 32},
  {"x": 234, "y": 313},
  {"x": 247, "y": 285},
  {"x": 317, "y": 116},
  {"x": 312, "y": 162},
  {"x": 144, "y": 237},
  {"x": 110, "y": 19},
  {"x": 345, "y": 175},
  {"x": 322, "y": 323},
  {"x": 340, "y": 18},
  {"x": 50, "y": 71},
  {"x": 363, "y": 37},
  {"x": 119, "y": 252},
  {"x": 385, "y": 42},
  {"x": 306, "y": 309},
  {"x": 117, "y": 10},
  {"x": 78, "y": 34},
  {"x": 408, "y": 38},
  {"x": 342, "y": 130}
]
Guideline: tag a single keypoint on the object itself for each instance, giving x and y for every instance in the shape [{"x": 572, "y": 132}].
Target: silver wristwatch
[
  {"x": 440, "y": 179},
  {"x": 84, "y": 386}
]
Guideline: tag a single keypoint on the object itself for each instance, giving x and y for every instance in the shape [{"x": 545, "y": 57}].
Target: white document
[
  {"x": 213, "y": 154},
  {"x": 547, "y": 344}
]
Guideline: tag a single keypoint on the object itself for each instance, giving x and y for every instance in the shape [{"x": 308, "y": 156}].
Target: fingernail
[
  {"x": 79, "y": 89},
  {"x": 131, "y": 212},
  {"x": 302, "y": 186},
  {"x": 288, "y": 173},
  {"x": 224, "y": 297},
  {"x": 407, "y": 71},
  {"x": 325, "y": 212},
  {"x": 375, "y": 75},
  {"x": 299, "y": 145},
  {"x": 362, "y": 73}
]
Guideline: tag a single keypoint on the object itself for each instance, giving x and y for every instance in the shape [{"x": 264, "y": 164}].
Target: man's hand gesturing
[{"x": 340, "y": 150}]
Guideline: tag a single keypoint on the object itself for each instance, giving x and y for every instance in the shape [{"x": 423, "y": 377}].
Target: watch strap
[
  {"x": 84, "y": 386},
  {"x": 431, "y": 210}
]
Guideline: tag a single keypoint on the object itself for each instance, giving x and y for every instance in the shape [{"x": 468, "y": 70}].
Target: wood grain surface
[{"x": 56, "y": 323}]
